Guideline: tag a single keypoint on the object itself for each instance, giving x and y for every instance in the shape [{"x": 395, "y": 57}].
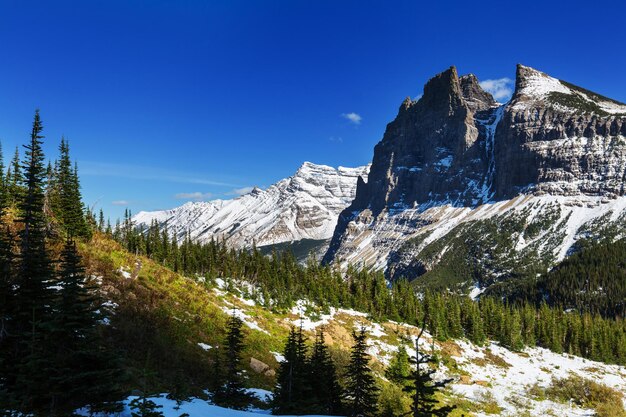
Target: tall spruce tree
[
  {"x": 86, "y": 374},
  {"x": 232, "y": 393},
  {"x": 33, "y": 296},
  {"x": 291, "y": 391},
  {"x": 324, "y": 386},
  {"x": 15, "y": 179},
  {"x": 361, "y": 389},
  {"x": 423, "y": 387},
  {"x": 66, "y": 197},
  {"x": 6, "y": 295}
]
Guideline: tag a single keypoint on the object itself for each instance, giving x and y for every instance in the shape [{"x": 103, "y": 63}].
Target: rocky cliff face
[
  {"x": 456, "y": 154},
  {"x": 435, "y": 148},
  {"x": 560, "y": 139},
  {"x": 303, "y": 206}
]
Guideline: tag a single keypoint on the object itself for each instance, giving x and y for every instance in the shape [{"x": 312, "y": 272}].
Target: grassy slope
[{"x": 160, "y": 317}]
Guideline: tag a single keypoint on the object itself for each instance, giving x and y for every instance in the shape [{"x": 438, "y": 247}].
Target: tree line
[
  {"x": 52, "y": 360},
  {"x": 281, "y": 281}
]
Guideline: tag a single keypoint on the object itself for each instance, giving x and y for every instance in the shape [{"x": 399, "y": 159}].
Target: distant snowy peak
[
  {"x": 303, "y": 206},
  {"x": 533, "y": 86}
]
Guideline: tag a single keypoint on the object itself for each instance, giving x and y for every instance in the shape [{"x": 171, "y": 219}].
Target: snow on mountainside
[
  {"x": 487, "y": 380},
  {"x": 534, "y": 229},
  {"x": 459, "y": 180},
  {"x": 538, "y": 86},
  {"x": 303, "y": 206}
]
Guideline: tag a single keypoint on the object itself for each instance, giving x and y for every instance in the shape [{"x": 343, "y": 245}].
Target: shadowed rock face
[
  {"x": 433, "y": 149},
  {"x": 457, "y": 146}
]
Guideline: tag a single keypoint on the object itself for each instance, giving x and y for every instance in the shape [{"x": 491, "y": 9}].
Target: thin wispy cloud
[
  {"x": 501, "y": 89},
  {"x": 195, "y": 196},
  {"x": 336, "y": 139},
  {"x": 138, "y": 172},
  {"x": 353, "y": 118},
  {"x": 120, "y": 203},
  {"x": 240, "y": 191}
]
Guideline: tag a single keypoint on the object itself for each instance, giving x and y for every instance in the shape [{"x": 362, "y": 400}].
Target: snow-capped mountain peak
[
  {"x": 303, "y": 206},
  {"x": 534, "y": 88}
]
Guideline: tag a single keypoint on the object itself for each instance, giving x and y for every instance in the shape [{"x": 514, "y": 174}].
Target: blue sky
[{"x": 167, "y": 101}]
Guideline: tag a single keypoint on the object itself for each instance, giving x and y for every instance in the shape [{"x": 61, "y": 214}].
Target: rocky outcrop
[
  {"x": 455, "y": 153},
  {"x": 437, "y": 151}
]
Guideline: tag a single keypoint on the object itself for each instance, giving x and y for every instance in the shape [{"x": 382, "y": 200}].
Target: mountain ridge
[
  {"x": 302, "y": 206},
  {"x": 455, "y": 158}
]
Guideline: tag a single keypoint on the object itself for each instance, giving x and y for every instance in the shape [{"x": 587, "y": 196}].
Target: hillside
[{"x": 179, "y": 321}]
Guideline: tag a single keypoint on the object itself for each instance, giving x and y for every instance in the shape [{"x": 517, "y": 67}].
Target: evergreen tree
[
  {"x": 15, "y": 179},
  {"x": 34, "y": 276},
  {"x": 7, "y": 356},
  {"x": 399, "y": 367},
  {"x": 424, "y": 388},
  {"x": 361, "y": 390},
  {"x": 324, "y": 385},
  {"x": 291, "y": 391},
  {"x": 66, "y": 197},
  {"x": 144, "y": 407},
  {"x": 232, "y": 393},
  {"x": 101, "y": 221},
  {"x": 85, "y": 373}
]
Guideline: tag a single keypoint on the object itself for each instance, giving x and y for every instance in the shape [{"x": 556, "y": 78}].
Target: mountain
[
  {"x": 304, "y": 206},
  {"x": 466, "y": 191}
]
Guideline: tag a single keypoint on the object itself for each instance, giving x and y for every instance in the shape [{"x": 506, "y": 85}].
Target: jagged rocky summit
[
  {"x": 303, "y": 206},
  {"x": 460, "y": 179}
]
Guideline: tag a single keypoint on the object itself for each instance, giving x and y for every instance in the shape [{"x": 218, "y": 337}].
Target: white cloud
[
  {"x": 240, "y": 191},
  {"x": 500, "y": 89},
  {"x": 352, "y": 117},
  {"x": 336, "y": 139},
  {"x": 196, "y": 196},
  {"x": 120, "y": 202}
]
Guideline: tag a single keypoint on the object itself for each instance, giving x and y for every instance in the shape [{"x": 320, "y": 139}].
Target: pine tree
[
  {"x": 400, "y": 367},
  {"x": 66, "y": 198},
  {"x": 144, "y": 407},
  {"x": 233, "y": 394},
  {"x": 7, "y": 358},
  {"x": 290, "y": 393},
  {"x": 361, "y": 390},
  {"x": 34, "y": 276},
  {"x": 324, "y": 385},
  {"x": 86, "y": 373},
  {"x": 15, "y": 179},
  {"x": 101, "y": 221},
  {"x": 424, "y": 388}
]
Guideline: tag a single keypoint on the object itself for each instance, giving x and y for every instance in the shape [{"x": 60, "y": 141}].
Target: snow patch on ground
[
  {"x": 510, "y": 382},
  {"x": 278, "y": 356},
  {"x": 195, "y": 407},
  {"x": 124, "y": 273},
  {"x": 244, "y": 318}
]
